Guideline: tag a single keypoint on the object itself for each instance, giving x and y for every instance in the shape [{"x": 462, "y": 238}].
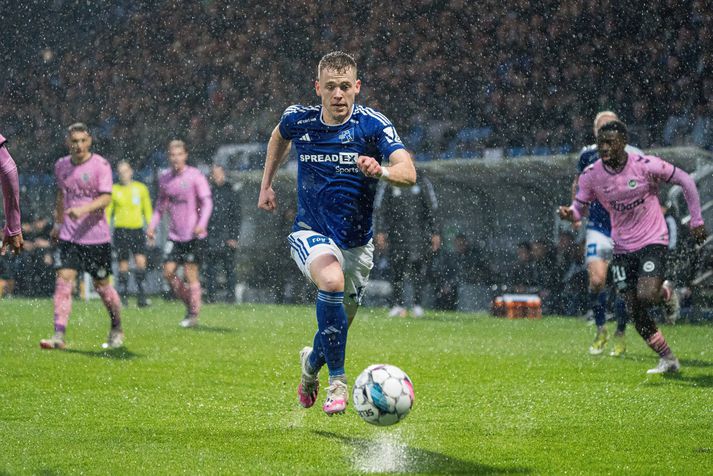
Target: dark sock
[
  {"x": 598, "y": 302},
  {"x": 123, "y": 284},
  {"x": 622, "y": 315},
  {"x": 140, "y": 276},
  {"x": 332, "y": 324}
]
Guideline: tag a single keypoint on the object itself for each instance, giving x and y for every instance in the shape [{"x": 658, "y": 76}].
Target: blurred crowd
[{"x": 527, "y": 77}]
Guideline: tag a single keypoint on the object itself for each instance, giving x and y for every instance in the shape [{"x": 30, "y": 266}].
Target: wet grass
[{"x": 492, "y": 396}]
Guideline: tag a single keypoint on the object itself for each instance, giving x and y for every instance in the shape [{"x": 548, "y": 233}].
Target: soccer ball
[{"x": 383, "y": 394}]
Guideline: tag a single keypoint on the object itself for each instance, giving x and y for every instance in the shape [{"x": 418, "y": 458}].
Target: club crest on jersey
[
  {"x": 85, "y": 177},
  {"x": 632, "y": 184},
  {"x": 346, "y": 136}
]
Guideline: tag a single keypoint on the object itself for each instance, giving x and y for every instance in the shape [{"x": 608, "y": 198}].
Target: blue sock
[
  {"x": 332, "y": 324},
  {"x": 598, "y": 302},
  {"x": 622, "y": 317},
  {"x": 316, "y": 359}
]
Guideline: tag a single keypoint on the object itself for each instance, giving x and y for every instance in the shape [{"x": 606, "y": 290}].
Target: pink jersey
[
  {"x": 631, "y": 198},
  {"x": 82, "y": 184},
  {"x": 187, "y": 198},
  {"x": 10, "y": 191}
]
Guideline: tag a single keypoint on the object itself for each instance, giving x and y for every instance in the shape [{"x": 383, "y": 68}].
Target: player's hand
[
  {"x": 369, "y": 166},
  {"x": 198, "y": 231},
  {"x": 566, "y": 213},
  {"x": 576, "y": 225},
  {"x": 54, "y": 234},
  {"x": 380, "y": 240},
  {"x": 699, "y": 234},
  {"x": 232, "y": 243},
  {"x": 151, "y": 237},
  {"x": 14, "y": 242},
  {"x": 76, "y": 212},
  {"x": 435, "y": 243},
  {"x": 267, "y": 200}
]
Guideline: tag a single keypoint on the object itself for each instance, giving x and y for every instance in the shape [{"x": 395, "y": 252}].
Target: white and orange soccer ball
[{"x": 383, "y": 394}]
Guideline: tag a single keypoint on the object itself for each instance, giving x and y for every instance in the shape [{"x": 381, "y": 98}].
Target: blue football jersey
[
  {"x": 333, "y": 197},
  {"x": 598, "y": 216}
]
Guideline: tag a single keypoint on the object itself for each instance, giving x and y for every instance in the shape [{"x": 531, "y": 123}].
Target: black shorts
[
  {"x": 183, "y": 252},
  {"x": 649, "y": 261},
  {"x": 93, "y": 259},
  {"x": 128, "y": 241}
]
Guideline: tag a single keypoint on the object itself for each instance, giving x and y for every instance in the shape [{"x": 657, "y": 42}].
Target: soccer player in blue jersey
[
  {"x": 598, "y": 254},
  {"x": 340, "y": 149}
]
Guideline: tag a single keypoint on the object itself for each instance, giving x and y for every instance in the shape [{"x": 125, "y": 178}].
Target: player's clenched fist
[
  {"x": 267, "y": 200},
  {"x": 369, "y": 166},
  {"x": 566, "y": 213}
]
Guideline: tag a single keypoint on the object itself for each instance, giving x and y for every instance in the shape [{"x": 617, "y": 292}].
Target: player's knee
[
  {"x": 331, "y": 283},
  {"x": 101, "y": 283},
  {"x": 597, "y": 283}
]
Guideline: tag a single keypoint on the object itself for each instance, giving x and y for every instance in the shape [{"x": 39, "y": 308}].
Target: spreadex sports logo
[{"x": 342, "y": 158}]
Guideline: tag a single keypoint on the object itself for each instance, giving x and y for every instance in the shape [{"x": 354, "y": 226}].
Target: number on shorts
[{"x": 618, "y": 273}]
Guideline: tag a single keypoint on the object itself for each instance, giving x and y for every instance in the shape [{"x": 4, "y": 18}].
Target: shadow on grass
[
  {"x": 121, "y": 353},
  {"x": 699, "y": 381},
  {"x": 214, "y": 329},
  {"x": 696, "y": 363},
  {"x": 374, "y": 456}
]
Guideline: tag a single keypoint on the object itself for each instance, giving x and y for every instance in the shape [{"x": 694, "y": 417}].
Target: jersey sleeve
[
  {"x": 11, "y": 193},
  {"x": 287, "y": 122},
  {"x": 585, "y": 195},
  {"x": 205, "y": 200},
  {"x": 663, "y": 171},
  {"x": 146, "y": 208},
  {"x": 387, "y": 139},
  {"x": 105, "y": 182},
  {"x": 658, "y": 169},
  {"x": 161, "y": 206},
  {"x": 110, "y": 209}
]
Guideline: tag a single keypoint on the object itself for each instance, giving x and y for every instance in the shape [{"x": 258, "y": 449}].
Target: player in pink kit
[
  {"x": 84, "y": 244},
  {"x": 12, "y": 232},
  {"x": 627, "y": 185},
  {"x": 185, "y": 195}
]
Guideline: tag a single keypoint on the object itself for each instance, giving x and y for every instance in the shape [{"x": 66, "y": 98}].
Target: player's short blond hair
[
  {"x": 78, "y": 127},
  {"x": 177, "y": 143},
  {"x": 123, "y": 162},
  {"x": 338, "y": 61}
]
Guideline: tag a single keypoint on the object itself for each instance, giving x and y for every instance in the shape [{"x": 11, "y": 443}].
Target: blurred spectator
[
  {"x": 520, "y": 276},
  {"x": 36, "y": 276},
  {"x": 407, "y": 218},
  {"x": 571, "y": 295},
  {"x": 526, "y": 78},
  {"x": 544, "y": 273},
  {"x": 223, "y": 236},
  {"x": 465, "y": 265}
]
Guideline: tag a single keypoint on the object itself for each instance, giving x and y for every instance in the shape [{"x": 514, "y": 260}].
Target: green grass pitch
[{"x": 492, "y": 396}]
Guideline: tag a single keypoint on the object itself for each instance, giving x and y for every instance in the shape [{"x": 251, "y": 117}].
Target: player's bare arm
[
  {"x": 99, "y": 203},
  {"x": 278, "y": 149},
  {"x": 400, "y": 172}
]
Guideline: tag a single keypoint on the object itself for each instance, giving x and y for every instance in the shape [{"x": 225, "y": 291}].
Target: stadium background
[{"x": 472, "y": 96}]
